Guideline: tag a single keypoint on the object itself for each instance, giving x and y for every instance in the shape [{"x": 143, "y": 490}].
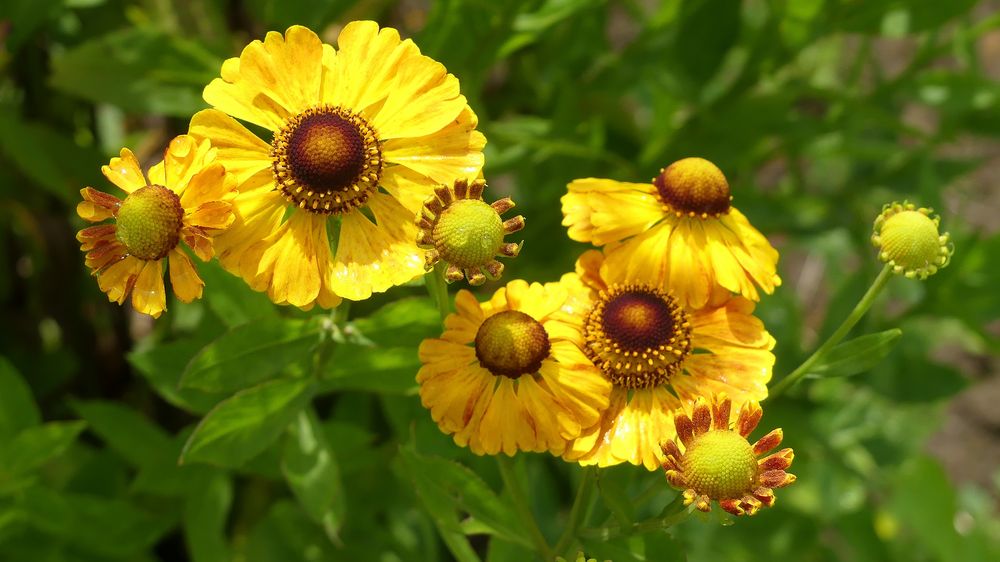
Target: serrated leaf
[
  {"x": 138, "y": 69},
  {"x": 312, "y": 472},
  {"x": 17, "y": 406},
  {"x": 857, "y": 355},
  {"x": 127, "y": 432},
  {"x": 241, "y": 427},
  {"x": 249, "y": 354}
]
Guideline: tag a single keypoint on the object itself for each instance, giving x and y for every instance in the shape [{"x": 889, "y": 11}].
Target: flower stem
[
  {"x": 584, "y": 493},
  {"x": 437, "y": 288},
  {"x": 510, "y": 482},
  {"x": 672, "y": 514},
  {"x": 859, "y": 311}
]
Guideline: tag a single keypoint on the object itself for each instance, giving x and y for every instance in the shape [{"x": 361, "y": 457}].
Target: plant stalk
[
  {"x": 510, "y": 482},
  {"x": 584, "y": 493}
]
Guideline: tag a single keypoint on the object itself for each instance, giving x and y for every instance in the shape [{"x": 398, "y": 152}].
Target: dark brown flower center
[
  {"x": 637, "y": 335},
  {"x": 694, "y": 187},
  {"x": 327, "y": 160},
  {"x": 511, "y": 344}
]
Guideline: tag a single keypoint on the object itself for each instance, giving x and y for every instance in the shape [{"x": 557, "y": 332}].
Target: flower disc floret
[
  {"x": 150, "y": 221},
  {"x": 327, "y": 160},
  {"x": 715, "y": 462},
  {"x": 511, "y": 344},
  {"x": 637, "y": 335},
  {"x": 460, "y": 229},
  {"x": 909, "y": 241},
  {"x": 694, "y": 187}
]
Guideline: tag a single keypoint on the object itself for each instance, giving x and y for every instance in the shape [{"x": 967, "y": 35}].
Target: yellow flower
[
  {"x": 719, "y": 464},
  {"x": 186, "y": 198},
  {"x": 361, "y": 136},
  {"x": 457, "y": 226},
  {"x": 658, "y": 354},
  {"x": 679, "y": 231},
  {"x": 506, "y": 375}
]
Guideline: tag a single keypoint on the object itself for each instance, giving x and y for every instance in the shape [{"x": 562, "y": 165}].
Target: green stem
[
  {"x": 437, "y": 288},
  {"x": 584, "y": 493},
  {"x": 513, "y": 486},
  {"x": 859, "y": 311},
  {"x": 672, "y": 514}
]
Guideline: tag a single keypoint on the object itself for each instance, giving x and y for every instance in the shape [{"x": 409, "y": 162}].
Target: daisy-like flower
[
  {"x": 658, "y": 354},
  {"x": 715, "y": 462},
  {"x": 506, "y": 375},
  {"x": 461, "y": 229},
  {"x": 361, "y": 136},
  {"x": 908, "y": 239},
  {"x": 186, "y": 198},
  {"x": 679, "y": 231}
]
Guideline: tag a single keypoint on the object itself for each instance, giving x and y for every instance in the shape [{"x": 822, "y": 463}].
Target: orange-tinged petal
[
  {"x": 118, "y": 278},
  {"x": 701, "y": 417},
  {"x": 90, "y": 236},
  {"x": 721, "y": 412},
  {"x": 768, "y": 442},
  {"x": 184, "y": 279},
  {"x": 210, "y": 183},
  {"x": 778, "y": 461},
  {"x": 776, "y": 478},
  {"x": 125, "y": 172},
  {"x": 685, "y": 429},
  {"x": 212, "y": 215},
  {"x": 96, "y": 205},
  {"x": 750, "y": 415}
]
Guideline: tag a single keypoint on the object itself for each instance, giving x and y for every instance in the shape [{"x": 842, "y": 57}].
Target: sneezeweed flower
[
  {"x": 679, "y": 231},
  {"x": 361, "y": 136},
  {"x": 506, "y": 375},
  {"x": 187, "y": 198},
  {"x": 657, "y": 353},
  {"x": 909, "y": 241},
  {"x": 459, "y": 228},
  {"x": 715, "y": 462}
]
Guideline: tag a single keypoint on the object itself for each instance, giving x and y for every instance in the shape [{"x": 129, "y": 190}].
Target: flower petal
[
  {"x": 184, "y": 279},
  {"x": 148, "y": 295},
  {"x": 124, "y": 171},
  {"x": 451, "y": 152},
  {"x": 602, "y": 211},
  {"x": 242, "y": 152},
  {"x": 362, "y": 72},
  {"x": 96, "y": 205}
]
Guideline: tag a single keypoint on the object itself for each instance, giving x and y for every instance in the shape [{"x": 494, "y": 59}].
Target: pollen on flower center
[
  {"x": 721, "y": 464},
  {"x": 511, "y": 344},
  {"x": 637, "y": 335},
  {"x": 327, "y": 160},
  {"x": 694, "y": 187},
  {"x": 149, "y": 222}
]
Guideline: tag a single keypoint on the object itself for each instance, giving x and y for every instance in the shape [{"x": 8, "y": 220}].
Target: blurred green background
[{"x": 819, "y": 111}]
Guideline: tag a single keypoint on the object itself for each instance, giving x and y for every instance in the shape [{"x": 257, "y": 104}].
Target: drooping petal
[
  {"x": 148, "y": 294},
  {"x": 602, "y": 211},
  {"x": 184, "y": 279},
  {"x": 96, "y": 205},
  {"x": 118, "y": 279}
]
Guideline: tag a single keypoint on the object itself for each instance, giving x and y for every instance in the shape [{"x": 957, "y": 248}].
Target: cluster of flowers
[{"x": 649, "y": 353}]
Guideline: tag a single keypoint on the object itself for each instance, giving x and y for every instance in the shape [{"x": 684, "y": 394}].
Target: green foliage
[{"x": 234, "y": 429}]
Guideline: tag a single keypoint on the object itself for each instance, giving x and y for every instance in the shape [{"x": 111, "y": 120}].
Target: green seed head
[
  {"x": 721, "y": 465},
  {"x": 908, "y": 239},
  {"x": 468, "y": 234},
  {"x": 149, "y": 222}
]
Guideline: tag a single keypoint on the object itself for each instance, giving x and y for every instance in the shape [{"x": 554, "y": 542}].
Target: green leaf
[
  {"x": 449, "y": 483},
  {"x": 231, "y": 299},
  {"x": 706, "y": 32},
  {"x": 312, "y": 472},
  {"x": 162, "y": 366},
  {"x": 241, "y": 427},
  {"x": 248, "y": 354},
  {"x": 204, "y": 520},
  {"x": 138, "y": 69},
  {"x": 127, "y": 432},
  {"x": 34, "y": 447},
  {"x": 400, "y": 323},
  {"x": 114, "y": 528},
  {"x": 372, "y": 369},
  {"x": 17, "y": 406},
  {"x": 857, "y": 355}
]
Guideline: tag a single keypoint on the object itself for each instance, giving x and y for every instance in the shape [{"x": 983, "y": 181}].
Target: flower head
[
  {"x": 362, "y": 134},
  {"x": 908, "y": 240},
  {"x": 506, "y": 375},
  {"x": 186, "y": 198},
  {"x": 657, "y": 352},
  {"x": 459, "y": 228},
  {"x": 715, "y": 462},
  {"x": 679, "y": 232}
]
